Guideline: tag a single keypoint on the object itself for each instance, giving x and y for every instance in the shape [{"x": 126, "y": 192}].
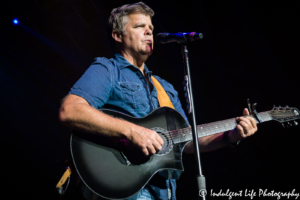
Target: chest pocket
[{"x": 134, "y": 97}]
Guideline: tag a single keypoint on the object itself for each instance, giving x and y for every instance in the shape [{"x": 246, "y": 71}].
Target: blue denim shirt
[{"x": 117, "y": 85}]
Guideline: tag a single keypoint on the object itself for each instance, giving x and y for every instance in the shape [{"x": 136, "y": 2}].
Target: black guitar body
[{"x": 119, "y": 173}]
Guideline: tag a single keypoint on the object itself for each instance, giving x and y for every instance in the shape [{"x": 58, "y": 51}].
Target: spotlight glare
[{"x": 15, "y": 21}]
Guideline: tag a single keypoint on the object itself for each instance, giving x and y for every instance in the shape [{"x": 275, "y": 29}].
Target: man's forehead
[{"x": 139, "y": 18}]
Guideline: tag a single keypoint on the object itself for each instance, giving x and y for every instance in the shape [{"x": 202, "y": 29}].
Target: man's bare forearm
[
  {"x": 77, "y": 114},
  {"x": 208, "y": 143}
]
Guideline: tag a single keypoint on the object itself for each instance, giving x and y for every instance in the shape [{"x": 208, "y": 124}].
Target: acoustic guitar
[{"x": 118, "y": 171}]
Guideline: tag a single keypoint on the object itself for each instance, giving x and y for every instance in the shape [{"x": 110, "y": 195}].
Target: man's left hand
[{"x": 246, "y": 127}]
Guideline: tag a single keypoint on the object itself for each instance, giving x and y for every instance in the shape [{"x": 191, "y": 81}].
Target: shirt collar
[{"x": 123, "y": 63}]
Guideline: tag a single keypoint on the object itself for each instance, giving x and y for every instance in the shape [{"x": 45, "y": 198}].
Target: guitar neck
[{"x": 183, "y": 135}]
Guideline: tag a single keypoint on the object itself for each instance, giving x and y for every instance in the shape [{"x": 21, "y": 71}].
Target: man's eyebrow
[{"x": 143, "y": 23}]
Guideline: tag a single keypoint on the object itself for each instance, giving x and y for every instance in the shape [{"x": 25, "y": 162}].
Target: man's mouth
[{"x": 149, "y": 42}]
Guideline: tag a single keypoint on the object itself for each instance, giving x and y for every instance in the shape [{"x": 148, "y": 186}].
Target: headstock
[{"x": 286, "y": 115}]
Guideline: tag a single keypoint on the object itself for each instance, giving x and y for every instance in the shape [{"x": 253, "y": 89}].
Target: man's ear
[{"x": 117, "y": 36}]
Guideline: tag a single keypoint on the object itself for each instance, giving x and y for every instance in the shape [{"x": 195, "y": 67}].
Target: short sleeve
[{"x": 95, "y": 85}]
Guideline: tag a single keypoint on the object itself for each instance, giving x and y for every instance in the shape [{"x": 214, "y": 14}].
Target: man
[{"x": 123, "y": 83}]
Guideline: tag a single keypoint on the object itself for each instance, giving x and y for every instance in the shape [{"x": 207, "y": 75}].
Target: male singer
[{"x": 123, "y": 83}]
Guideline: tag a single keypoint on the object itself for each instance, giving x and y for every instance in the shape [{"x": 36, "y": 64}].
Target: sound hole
[
  {"x": 133, "y": 155},
  {"x": 168, "y": 144}
]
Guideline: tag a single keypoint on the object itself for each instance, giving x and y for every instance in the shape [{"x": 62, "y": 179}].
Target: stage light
[{"x": 15, "y": 21}]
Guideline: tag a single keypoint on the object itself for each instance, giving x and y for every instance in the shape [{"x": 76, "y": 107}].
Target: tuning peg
[
  {"x": 283, "y": 125},
  {"x": 289, "y": 124},
  {"x": 296, "y": 123}
]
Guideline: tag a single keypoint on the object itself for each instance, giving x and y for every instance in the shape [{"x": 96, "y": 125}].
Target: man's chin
[{"x": 148, "y": 51}]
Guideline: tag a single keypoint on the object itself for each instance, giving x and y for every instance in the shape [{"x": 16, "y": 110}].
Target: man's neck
[{"x": 137, "y": 61}]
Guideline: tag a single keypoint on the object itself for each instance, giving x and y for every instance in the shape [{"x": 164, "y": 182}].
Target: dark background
[{"x": 249, "y": 50}]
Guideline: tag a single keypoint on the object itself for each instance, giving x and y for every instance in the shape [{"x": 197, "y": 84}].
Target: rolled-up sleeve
[{"x": 95, "y": 85}]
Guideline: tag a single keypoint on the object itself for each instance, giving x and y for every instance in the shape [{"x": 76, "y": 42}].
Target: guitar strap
[
  {"x": 163, "y": 100},
  {"x": 64, "y": 178}
]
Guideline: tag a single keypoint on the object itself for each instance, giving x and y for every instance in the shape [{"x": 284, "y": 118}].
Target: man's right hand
[{"x": 148, "y": 141}]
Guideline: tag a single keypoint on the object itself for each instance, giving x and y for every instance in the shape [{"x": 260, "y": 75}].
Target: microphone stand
[{"x": 192, "y": 119}]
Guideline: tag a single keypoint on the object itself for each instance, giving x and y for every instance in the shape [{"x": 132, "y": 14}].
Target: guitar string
[
  {"x": 206, "y": 129},
  {"x": 180, "y": 133},
  {"x": 209, "y": 129},
  {"x": 212, "y": 126}
]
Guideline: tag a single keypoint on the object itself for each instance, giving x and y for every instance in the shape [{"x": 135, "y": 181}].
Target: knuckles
[{"x": 148, "y": 141}]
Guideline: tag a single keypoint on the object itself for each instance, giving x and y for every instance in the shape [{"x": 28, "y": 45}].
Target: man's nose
[{"x": 148, "y": 31}]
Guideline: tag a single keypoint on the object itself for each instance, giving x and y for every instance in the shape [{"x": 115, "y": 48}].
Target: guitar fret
[
  {"x": 216, "y": 127},
  {"x": 186, "y": 135}
]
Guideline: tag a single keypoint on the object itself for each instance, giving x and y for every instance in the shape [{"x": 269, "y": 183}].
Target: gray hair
[{"x": 119, "y": 16}]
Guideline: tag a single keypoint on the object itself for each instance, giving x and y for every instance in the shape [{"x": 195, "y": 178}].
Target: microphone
[{"x": 181, "y": 38}]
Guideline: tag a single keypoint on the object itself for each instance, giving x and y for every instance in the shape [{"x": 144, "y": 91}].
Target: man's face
[{"x": 138, "y": 39}]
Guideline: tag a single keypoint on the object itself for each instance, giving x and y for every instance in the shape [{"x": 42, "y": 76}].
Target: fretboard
[{"x": 182, "y": 135}]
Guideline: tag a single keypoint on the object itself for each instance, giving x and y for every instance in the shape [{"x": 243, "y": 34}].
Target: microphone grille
[{"x": 160, "y": 37}]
